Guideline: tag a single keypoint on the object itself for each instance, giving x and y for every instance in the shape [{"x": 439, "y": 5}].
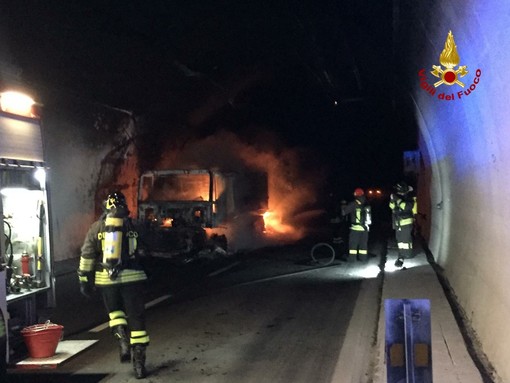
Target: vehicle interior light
[{"x": 40, "y": 176}]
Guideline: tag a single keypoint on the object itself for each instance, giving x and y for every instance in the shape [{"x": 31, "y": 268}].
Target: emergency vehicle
[{"x": 26, "y": 279}]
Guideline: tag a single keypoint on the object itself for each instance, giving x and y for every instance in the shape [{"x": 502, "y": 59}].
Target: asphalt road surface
[{"x": 271, "y": 316}]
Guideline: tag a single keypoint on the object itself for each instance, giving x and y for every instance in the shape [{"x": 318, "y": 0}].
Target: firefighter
[
  {"x": 403, "y": 207},
  {"x": 110, "y": 262},
  {"x": 360, "y": 216}
]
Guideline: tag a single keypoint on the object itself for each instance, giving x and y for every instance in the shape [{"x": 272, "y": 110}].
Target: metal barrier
[{"x": 408, "y": 341}]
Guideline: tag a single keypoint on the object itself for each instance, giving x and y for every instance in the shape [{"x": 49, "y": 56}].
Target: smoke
[{"x": 292, "y": 184}]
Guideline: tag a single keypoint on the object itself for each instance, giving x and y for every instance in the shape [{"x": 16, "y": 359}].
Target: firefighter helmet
[
  {"x": 358, "y": 192},
  {"x": 115, "y": 200},
  {"x": 403, "y": 188}
]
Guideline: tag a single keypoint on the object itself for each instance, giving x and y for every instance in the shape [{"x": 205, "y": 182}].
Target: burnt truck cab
[{"x": 177, "y": 207}]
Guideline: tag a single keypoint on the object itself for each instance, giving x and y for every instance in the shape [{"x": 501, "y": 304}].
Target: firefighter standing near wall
[
  {"x": 360, "y": 216},
  {"x": 109, "y": 261},
  {"x": 404, "y": 207}
]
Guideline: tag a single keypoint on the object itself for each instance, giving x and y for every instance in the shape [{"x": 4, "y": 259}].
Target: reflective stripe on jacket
[
  {"x": 404, "y": 210},
  {"x": 92, "y": 256},
  {"x": 360, "y": 215}
]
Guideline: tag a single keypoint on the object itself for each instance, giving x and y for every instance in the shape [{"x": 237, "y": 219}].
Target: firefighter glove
[
  {"x": 86, "y": 289},
  {"x": 86, "y": 284}
]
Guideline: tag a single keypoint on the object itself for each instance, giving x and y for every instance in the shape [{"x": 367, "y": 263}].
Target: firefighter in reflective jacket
[
  {"x": 360, "y": 216},
  {"x": 404, "y": 207},
  {"x": 109, "y": 261}
]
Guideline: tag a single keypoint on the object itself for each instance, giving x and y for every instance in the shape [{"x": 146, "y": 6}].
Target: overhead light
[{"x": 16, "y": 103}]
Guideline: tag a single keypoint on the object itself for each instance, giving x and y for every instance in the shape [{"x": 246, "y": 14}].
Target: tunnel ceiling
[{"x": 315, "y": 75}]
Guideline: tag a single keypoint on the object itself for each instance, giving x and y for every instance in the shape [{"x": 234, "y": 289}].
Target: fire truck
[{"x": 26, "y": 279}]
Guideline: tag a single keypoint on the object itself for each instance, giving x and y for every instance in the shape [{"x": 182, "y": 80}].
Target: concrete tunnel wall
[
  {"x": 465, "y": 148},
  {"x": 83, "y": 144}
]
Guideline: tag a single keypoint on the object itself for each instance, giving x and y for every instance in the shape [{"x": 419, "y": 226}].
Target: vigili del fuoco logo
[{"x": 448, "y": 75}]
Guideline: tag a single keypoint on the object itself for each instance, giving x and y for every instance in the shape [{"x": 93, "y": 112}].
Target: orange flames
[
  {"x": 167, "y": 222},
  {"x": 290, "y": 190},
  {"x": 291, "y": 187},
  {"x": 273, "y": 224}
]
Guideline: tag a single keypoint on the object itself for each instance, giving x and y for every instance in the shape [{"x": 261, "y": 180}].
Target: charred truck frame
[
  {"x": 177, "y": 207},
  {"x": 26, "y": 278}
]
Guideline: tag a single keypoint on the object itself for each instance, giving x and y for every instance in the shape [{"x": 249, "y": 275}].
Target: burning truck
[{"x": 188, "y": 212}]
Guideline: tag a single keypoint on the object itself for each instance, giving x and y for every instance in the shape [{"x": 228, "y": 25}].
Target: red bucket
[{"x": 42, "y": 339}]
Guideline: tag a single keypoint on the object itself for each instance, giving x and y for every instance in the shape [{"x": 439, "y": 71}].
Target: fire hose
[{"x": 8, "y": 245}]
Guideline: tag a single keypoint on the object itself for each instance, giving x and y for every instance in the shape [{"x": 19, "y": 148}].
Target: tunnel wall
[
  {"x": 465, "y": 148},
  {"x": 83, "y": 142}
]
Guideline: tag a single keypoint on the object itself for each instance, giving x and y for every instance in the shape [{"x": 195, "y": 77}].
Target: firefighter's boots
[
  {"x": 124, "y": 348},
  {"x": 139, "y": 361}
]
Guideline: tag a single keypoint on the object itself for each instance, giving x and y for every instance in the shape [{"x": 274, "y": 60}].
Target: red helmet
[{"x": 358, "y": 192}]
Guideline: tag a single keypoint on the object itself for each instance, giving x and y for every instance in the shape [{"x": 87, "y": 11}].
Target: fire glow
[
  {"x": 273, "y": 224},
  {"x": 290, "y": 188},
  {"x": 167, "y": 222}
]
